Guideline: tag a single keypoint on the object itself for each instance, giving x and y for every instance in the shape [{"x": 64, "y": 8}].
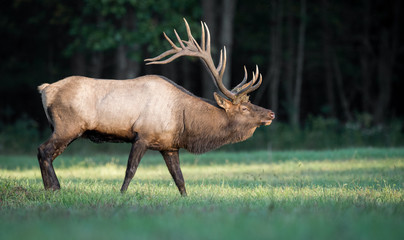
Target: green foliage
[
  {"x": 278, "y": 195},
  {"x": 40, "y": 39},
  {"x": 103, "y": 24}
]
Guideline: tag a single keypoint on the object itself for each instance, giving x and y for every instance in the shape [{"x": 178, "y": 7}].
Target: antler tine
[
  {"x": 245, "y": 88},
  {"x": 191, "y": 40},
  {"x": 155, "y": 60},
  {"x": 220, "y": 61},
  {"x": 179, "y": 39},
  {"x": 171, "y": 42},
  {"x": 208, "y": 38},
  {"x": 244, "y": 85},
  {"x": 190, "y": 37},
  {"x": 256, "y": 73},
  {"x": 164, "y": 54},
  {"x": 242, "y": 82},
  {"x": 258, "y": 84},
  {"x": 219, "y": 79},
  {"x": 176, "y": 50},
  {"x": 192, "y": 48},
  {"x": 222, "y": 68},
  {"x": 168, "y": 60},
  {"x": 203, "y": 37}
]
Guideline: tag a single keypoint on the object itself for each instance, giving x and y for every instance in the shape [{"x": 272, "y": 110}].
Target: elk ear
[{"x": 221, "y": 101}]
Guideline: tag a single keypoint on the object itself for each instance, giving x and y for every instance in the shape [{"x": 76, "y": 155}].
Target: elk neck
[{"x": 207, "y": 127}]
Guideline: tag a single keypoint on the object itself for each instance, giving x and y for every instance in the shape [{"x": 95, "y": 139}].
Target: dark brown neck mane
[{"x": 211, "y": 129}]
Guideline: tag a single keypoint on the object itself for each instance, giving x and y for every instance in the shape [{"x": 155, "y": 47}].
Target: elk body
[{"x": 150, "y": 112}]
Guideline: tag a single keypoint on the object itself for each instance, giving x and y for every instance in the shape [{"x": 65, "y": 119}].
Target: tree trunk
[
  {"x": 327, "y": 59},
  {"x": 133, "y": 65},
  {"x": 125, "y": 67},
  {"x": 299, "y": 67},
  {"x": 170, "y": 71},
  {"x": 366, "y": 60},
  {"x": 96, "y": 64},
  {"x": 340, "y": 87},
  {"x": 121, "y": 63},
  {"x": 97, "y": 57},
  {"x": 276, "y": 56},
  {"x": 188, "y": 81},
  {"x": 209, "y": 14},
  {"x": 290, "y": 61},
  {"x": 50, "y": 63},
  {"x": 387, "y": 56},
  {"x": 275, "y": 59},
  {"x": 78, "y": 62},
  {"x": 229, "y": 9}
]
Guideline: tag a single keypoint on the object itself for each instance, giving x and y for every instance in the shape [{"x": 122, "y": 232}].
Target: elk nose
[{"x": 272, "y": 115}]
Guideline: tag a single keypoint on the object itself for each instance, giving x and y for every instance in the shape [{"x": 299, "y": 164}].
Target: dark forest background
[{"x": 332, "y": 70}]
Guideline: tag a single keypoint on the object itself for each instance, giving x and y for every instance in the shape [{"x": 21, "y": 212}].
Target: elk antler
[
  {"x": 193, "y": 49},
  {"x": 243, "y": 88}
]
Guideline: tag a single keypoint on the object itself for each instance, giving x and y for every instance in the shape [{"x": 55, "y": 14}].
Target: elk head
[{"x": 235, "y": 102}]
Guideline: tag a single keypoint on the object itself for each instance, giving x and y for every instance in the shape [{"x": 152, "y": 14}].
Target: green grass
[{"x": 340, "y": 194}]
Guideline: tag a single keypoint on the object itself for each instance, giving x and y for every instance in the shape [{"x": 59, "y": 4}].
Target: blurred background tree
[{"x": 337, "y": 60}]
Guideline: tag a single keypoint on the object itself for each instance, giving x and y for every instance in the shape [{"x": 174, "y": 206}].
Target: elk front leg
[
  {"x": 173, "y": 164},
  {"x": 136, "y": 153}
]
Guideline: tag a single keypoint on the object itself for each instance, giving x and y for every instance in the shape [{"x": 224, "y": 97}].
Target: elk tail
[
  {"x": 42, "y": 87},
  {"x": 41, "y": 90}
]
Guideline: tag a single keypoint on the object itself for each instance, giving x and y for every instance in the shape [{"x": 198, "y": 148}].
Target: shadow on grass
[
  {"x": 363, "y": 177},
  {"x": 15, "y": 162},
  {"x": 155, "y": 196}
]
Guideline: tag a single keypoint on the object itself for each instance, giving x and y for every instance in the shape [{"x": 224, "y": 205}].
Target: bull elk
[{"x": 150, "y": 112}]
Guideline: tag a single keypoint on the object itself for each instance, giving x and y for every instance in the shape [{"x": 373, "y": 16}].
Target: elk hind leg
[{"x": 47, "y": 152}]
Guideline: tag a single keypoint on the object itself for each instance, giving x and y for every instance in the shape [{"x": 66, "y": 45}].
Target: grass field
[{"x": 341, "y": 194}]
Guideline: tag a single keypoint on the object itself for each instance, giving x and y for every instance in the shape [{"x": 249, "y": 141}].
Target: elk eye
[{"x": 244, "y": 109}]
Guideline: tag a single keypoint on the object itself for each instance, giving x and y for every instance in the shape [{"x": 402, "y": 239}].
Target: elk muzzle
[{"x": 268, "y": 120}]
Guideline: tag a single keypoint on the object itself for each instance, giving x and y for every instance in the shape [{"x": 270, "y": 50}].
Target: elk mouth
[{"x": 266, "y": 122}]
